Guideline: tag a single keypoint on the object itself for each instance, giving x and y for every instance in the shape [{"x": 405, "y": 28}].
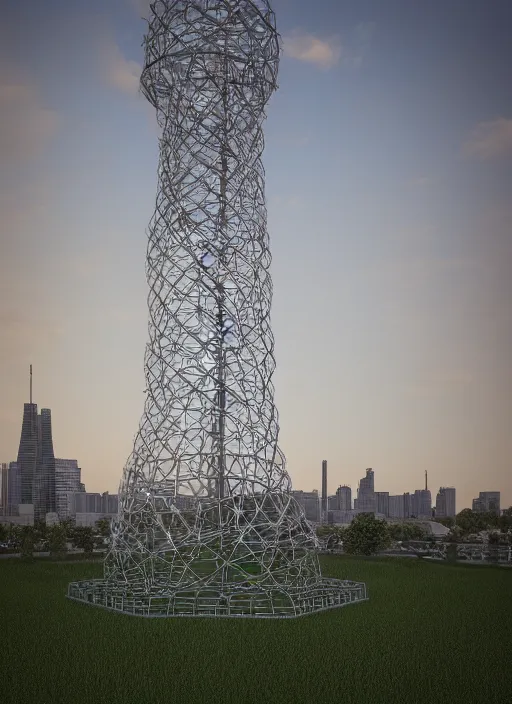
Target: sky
[{"x": 388, "y": 181}]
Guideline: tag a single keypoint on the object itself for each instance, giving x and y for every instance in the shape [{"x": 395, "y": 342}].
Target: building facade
[
  {"x": 344, "y": 494},
  {"x": 82, "y": 503},
  {"x": 399, "y": 506},
  {"x": 366, "y": 500},
  {"x": 382, "y": 502},
  {"x": 332, "y": 503},
  {"x": 477, "y": 505},
  {"x": 421, "y": 504},
  {"x": 44, "y": 480},
  {"x": 28, "y": 452},
  {"x": 310, "y": 502},
  {"x": 67, "y": 481},
  {"x": 488, "y": 501},
  {"x": 109, "y": 503},
  {"x": 13, "y": 489},
  {"x": 324, "y": 491},
  {"x": 445, "y": 502},
  {"x": 4, "y": 475}
]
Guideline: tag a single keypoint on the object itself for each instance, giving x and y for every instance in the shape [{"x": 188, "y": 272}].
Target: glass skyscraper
[
  {"x": 27, "y": 453},
  {"x": 36, "y": 461},
  {"x": 44, "y": 484}
]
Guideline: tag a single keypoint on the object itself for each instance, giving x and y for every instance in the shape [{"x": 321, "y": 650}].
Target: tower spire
[
  {"x": 31, "y": 384},
  {"x": 426, "y": 486}
]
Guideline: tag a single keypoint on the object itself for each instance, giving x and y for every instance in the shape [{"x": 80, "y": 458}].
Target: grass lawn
[{"x": 429, "y": 633}]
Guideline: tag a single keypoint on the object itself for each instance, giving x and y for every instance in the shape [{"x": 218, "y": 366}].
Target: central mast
[{"x": 223, "y": 241}]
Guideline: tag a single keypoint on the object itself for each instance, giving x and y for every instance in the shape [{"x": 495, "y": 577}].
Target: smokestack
[
  {"x": 324, "y": 490},
  {"x": 30, "y": 383}
]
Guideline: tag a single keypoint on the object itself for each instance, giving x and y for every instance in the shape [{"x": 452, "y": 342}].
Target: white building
[
  {"x": 67, "y": 480},
  {"x": 488, "y": 501},
  {"x": 445, "y": 502}
]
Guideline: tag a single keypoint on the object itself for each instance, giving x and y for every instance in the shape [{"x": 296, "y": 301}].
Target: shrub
[{"x": 366, "y": 535}]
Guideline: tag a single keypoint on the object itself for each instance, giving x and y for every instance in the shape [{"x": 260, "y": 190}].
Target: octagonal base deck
[{"x": 231, "y": 603}]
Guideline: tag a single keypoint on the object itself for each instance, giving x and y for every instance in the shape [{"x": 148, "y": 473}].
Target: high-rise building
[
  {"x": 87, "y": 507},
  {"x": 488, "y": 501},
  {"x": 396, "y": 506},
  {"x": 407, "y": 504},
  {"x": 85, "y": 502},
  {"x": 27, "y": 453},
  {"x": 332, "y": 502},
  {"x": 400, "y": 506},
  {"x": 44, "y": 480},
  {"x": 382, "y": 502},
  {"x": 67, "y": 480},
  {"x": 344, "y": 494},
  {"x": 477, "y": 505},
  {"x": 109, "y": 502},
  {"x": 421, "y": 504},
  {"x": 366, "y": 499},
  {"x": 445, "y": 502},
  {"x": 324, "y": 490},
  {"x": 310, "y": 502},
  {"x": 13, "y": 489},
  {"x": 4, "y": 469},
  {"x": 36, "y": 461}
]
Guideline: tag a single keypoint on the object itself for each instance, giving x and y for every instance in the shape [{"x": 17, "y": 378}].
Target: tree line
[
  {"x": 53, "y": 539},
  {"x": 367, "y": 535}
]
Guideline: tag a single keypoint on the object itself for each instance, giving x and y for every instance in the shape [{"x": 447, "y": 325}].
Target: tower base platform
[{"x": 230, "y": 601}]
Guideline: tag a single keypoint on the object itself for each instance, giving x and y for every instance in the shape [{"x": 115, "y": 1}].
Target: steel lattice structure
[{"x": 207, "y": 524}]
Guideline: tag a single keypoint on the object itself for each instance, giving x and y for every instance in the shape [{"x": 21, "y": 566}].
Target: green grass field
[{"x": 430, "y": 633}]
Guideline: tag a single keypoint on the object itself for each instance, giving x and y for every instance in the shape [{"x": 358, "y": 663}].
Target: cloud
[
  {"x": 121, "y": 73},
  {"x": 26, "y": 124},
  {"x": 490, "y": 139},
  {"x": 323, "y": 53}
]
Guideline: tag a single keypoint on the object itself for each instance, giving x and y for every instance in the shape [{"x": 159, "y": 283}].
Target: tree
[
  {"x": 57, "y": 540},
  {"x": 455, "y": 535},
  {"x": 27, "y": 542},
  {"x": 83, "y": 538},
  {"x": 406, "y": 531},
  {"x": 14, "y": 535},
  {"x": 332, "y": 535},
  {"x": 366, "y": 535},
  {"x": 40, "y": 533},
  {"x": 4, "y": 533},
  {"x": 447, "y": 521},
  {"x": 103, "y": 527},
  {"x": 505, "y": 520},
  {"x": 68, "y": 526}
]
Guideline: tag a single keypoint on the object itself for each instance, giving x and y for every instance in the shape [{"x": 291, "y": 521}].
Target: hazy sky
[{"x": 389, "y": 183}]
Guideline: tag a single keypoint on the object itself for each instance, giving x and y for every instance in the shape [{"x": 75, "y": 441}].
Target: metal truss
[
  {"x": 475, "y": 552},
  {"x": 207, "y": 524}
]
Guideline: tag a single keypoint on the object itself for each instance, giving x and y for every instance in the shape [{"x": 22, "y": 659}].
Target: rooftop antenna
[
  {"x": 30, "y": 384},
  {"x": 426, "y": 487}
]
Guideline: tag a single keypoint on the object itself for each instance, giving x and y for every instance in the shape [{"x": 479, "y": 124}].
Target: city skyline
[
  {"x": 388, "y": 179},
  {"x": 445, "y": 503}
]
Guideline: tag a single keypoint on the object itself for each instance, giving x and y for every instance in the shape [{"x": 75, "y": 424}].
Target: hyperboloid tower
[{"x": 207, "y": 525}]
